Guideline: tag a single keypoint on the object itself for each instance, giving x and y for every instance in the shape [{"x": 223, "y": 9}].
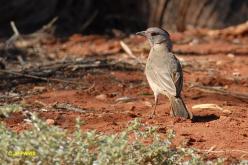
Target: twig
[
  {"x": 89, "y": 21},
  {"x": 237, "y": 51},
  {"x": 13, "y": 38},
  {"x": 15, "y": 30},
  {"x": 68, "y": 107},
  {"x": 40, "y": 78},
  {"x": 91, "y": 87},
  {"x": 20, "y": 59},
  {"x": 49, "y": 25},
  {"x": 40, "y": 103},
  {"x": 130, "y": 53},
  {"x": 44, "y": 70},
  {"x": 211, "y": 148},
  {"x": 220, "y": 151},
  {"x": 10, "y": 42}
]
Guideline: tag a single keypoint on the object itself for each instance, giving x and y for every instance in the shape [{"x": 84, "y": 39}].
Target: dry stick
[
  {"x": 15, "y": 30},
  {"x": 211, "y": 148},
  {"x": 242, "y": 151},
  {"x": 20, "y": 59},
  {"x": 14, "y": 37},
  {"x": 49, "y": 25},
  {"x": 89, "y": 21},
  {"x": 41, "y": 78},
  {"x": 221, "y": 91},
  {"x": 68, "y": 107},
  {"x": 130, "y": 53},
  {"x": 29, "y": 39},
  {"x": 65, "y": 64},
  {"x": 95, "y": 65},
  {"x": 197, "y": 52}
]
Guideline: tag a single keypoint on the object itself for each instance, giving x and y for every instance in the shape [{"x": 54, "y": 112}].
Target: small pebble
[
  {"x": 50, "y": 121},
  {"x": 226, "y": 111},
  {"x": 219, "y": 62},
  {"x": 230, "y": 55},
  {"x": 101, "y": 97}
]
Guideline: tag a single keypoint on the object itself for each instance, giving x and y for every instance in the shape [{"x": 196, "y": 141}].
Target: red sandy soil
[{"x": 225, "y": 130}]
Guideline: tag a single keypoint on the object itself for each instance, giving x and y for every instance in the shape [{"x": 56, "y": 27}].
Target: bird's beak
[{"x": 142, "y": 33}]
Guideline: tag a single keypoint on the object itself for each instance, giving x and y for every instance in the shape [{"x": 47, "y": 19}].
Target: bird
[{"x": 164, "y": 71}]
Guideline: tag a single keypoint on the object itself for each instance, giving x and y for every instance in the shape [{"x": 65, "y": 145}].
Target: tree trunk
[
  {"x": 178, "y": 15},
  {"x": 126, "y": 15}
]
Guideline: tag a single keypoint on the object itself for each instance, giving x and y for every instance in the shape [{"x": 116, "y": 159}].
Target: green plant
[
  {"x": 48, "y": 144},
  {"x": 7, "y": 109}
]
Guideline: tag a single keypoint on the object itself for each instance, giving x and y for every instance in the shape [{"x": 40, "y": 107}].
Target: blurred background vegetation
[{"x": 92, "y": 16}]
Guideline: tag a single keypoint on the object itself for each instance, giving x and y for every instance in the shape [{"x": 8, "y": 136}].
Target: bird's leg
[
  {"x": 172, "y": 113},
  {"x": 155, "y": 105}
]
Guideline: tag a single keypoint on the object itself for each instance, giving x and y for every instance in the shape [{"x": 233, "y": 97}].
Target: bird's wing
[
  {"x": 162, "y": 79},
  {"x": 178, "y": 81},
  {"x": 176, "y": 73}
]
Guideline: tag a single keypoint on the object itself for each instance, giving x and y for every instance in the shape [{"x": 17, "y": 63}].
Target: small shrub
[
  {"x": 45, "y": 144},
  {"x": 5, "y": 110}
]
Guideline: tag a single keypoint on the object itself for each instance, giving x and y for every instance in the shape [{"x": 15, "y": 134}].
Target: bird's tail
[{"x": 179, "y": 109}]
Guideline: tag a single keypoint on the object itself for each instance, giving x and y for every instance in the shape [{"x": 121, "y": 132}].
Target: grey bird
[{"x": 164, "y": 72}]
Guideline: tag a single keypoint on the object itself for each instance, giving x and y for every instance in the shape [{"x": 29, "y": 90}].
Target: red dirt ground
[{"x": 211, "y": 63}]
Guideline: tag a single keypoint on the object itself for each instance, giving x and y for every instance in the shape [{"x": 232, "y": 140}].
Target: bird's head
[{"x": 157, "y": 35}]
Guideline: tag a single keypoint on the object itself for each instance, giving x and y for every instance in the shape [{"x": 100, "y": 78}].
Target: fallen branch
[
  {"x": 86, "y": 63},
  {"x": 232, "y": 30},
  {"x": 25, "y": 42},
  {"x": 41, "y": 78},
  {"x": 42, "y": 72},
  {"x": 216, "y": 90}
]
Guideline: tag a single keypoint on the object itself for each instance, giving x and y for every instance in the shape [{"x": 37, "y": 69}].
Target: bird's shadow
[{"x": 203, "y": 119}]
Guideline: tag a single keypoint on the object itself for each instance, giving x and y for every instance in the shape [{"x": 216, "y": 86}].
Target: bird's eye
[{"x": 154, "y": 34}]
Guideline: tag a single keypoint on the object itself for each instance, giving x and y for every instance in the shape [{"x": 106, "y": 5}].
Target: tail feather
[{"x": 179, "y": 109}]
